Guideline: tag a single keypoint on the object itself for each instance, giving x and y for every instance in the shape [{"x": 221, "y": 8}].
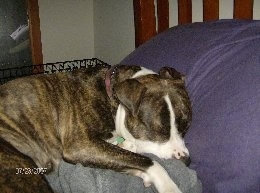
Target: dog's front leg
[
  {"x": 128, "y": 145},
  {"x": 100, "y": 154}
]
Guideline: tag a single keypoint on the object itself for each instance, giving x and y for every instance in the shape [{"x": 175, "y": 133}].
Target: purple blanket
[{"x": 221, "y": 61}]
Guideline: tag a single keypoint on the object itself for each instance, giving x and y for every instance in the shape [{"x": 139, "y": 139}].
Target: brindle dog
[{"x": 74, "y": 115}]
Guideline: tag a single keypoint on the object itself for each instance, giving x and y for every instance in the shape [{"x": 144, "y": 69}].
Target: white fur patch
[
  {"x": 157, "y": 175},
  {"x": 176, "y": 141},
  {"x": 120, "y": 124},
  {"x": 143, "y": 72}
]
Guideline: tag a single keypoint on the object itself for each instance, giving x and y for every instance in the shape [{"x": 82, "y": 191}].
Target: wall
[
  {"x": 114, "y": 24},
  {"x": 67, "y": 29},
  {"x": 114, "y": 29},
  {"x": 101, "y": 28}
]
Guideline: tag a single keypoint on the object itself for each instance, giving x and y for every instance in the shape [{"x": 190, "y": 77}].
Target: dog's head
[{"x": 157, "y": 109}]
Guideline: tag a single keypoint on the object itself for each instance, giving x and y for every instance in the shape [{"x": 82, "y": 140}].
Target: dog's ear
[
  {"x": 129, "y": 93},
  {"x": 171, "y": 73}
]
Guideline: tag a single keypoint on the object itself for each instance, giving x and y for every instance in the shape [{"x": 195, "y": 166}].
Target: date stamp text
[{"x": 30, "y": 171}]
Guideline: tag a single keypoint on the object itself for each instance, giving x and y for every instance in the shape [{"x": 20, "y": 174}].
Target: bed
[{"x": 221, "y": 62}]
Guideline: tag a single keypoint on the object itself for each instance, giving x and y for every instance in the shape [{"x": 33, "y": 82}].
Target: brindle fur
[
  {"x": 69, "y": 116},
  {"x": 13, "y": 182}
]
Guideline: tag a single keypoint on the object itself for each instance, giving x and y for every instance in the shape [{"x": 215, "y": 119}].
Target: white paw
[
  {"x": 161, "y": 180},
  {"x": 173, "y": 192},
  {"x": 168, "y": 188},
  {"x": 146, "y": 180}
]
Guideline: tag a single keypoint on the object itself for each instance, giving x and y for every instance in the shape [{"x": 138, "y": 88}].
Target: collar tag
[{"x": 120, "y": 140}]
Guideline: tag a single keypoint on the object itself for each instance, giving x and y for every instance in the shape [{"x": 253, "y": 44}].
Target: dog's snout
[{"x": 186, "y": 160}]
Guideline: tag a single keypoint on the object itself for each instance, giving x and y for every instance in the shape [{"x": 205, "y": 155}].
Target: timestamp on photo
[{"x": 28, "y": 171}]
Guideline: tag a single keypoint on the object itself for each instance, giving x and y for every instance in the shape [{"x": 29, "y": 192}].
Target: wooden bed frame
[
  {"x": 35, "y": 32},
  {"x": 145, "y": 19}
]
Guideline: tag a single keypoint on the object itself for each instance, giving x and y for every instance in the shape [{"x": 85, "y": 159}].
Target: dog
[{"x": 77, "y": 116}]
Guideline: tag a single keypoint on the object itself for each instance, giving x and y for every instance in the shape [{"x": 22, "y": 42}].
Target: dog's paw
[
  {"x": 128, "y": 145},
  {"x": 146, "y": 180},
  {"x": 173, "y": 192},
  {"x": 169, "y": 188},
  {"x": 157, "y": 175}
]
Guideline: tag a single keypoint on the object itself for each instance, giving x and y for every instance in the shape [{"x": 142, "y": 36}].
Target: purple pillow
[{"x": 221, "y": 61}]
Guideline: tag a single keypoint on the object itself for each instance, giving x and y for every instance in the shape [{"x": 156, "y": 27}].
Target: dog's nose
[{"x": 186, "y": 160}]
